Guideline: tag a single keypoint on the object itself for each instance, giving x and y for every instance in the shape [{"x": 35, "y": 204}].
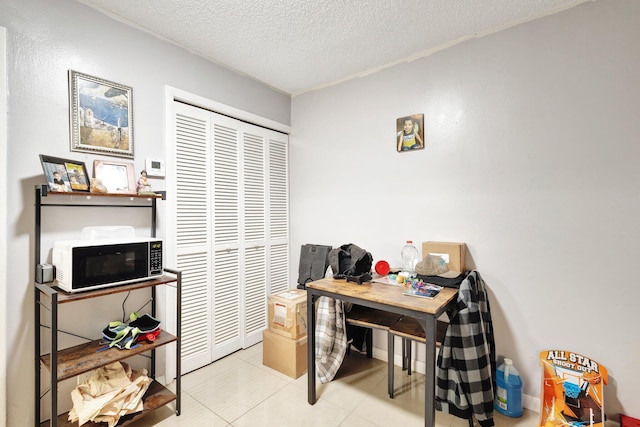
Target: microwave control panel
[{"x": 155, "y": 257}]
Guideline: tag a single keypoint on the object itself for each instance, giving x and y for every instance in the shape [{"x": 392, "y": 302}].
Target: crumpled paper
[{"x": 111, "y": 392}]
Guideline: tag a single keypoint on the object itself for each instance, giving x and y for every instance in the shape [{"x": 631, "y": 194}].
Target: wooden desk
[{"x": 388, "y": 298}]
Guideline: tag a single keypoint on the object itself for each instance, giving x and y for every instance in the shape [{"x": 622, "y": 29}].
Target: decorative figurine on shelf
[{"x": 144, "y": 186}]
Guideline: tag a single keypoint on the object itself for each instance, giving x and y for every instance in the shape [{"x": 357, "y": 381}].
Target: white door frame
[
  {"x": 174, "y": 94},
  {"x": 3, "y": 221}
]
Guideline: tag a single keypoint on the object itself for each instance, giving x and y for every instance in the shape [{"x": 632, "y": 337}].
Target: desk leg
[
  {"x": 430, "y": 372},
  {"x": 311, "y": 349},
  {"x": 390, "y": 363}
]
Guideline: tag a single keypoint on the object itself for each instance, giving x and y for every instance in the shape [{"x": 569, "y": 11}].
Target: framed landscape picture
[
  {"x": 64, "y": 175},
  {"x": 101, "y": 115}
]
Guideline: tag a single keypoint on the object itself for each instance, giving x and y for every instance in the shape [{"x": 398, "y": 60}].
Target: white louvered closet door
[
  {"x": 189, "y": 231},
  {"x": 262, "y": 223},
  {"x": 255, "y": 278},
  {"x": 243, "y": 194},
  {"x": 227, "y": 197},
  {"x": 278, "y": 214}
]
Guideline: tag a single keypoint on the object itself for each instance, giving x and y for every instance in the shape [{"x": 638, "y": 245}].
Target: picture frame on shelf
[
  {"x": 101, "y": 115},
  {"x": 117, "y": 177},
  {"x": 65, "y": 175},
  {"x": 410, "y": 133}
]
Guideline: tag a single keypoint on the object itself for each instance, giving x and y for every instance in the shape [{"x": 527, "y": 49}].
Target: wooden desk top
[{"x": 385, "y": 294}]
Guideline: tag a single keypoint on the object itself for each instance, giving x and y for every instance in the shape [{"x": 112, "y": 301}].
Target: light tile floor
[{"x": 240, "y": 391}]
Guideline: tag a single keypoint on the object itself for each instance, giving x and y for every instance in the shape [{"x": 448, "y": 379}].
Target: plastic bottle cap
[{"x": 382, "y": 267}]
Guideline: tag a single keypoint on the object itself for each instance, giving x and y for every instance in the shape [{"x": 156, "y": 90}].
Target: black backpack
[{"x": 351, "y": 262}]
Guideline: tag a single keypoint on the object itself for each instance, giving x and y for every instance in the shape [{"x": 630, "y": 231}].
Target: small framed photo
[
  {"x": 64, "y": 175},
  {"x": 117, "y": 177},
  {"x": 410, "y": 133},
  {"x": 101, "y": 115}
]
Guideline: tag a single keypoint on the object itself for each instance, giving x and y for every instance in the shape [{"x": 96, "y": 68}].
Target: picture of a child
[
  {"x": 58, "y": 183},
  {"x": 409, "y": 137}
]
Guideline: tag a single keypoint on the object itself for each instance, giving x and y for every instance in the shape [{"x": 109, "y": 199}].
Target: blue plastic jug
[{"x": 508, "y": 400}]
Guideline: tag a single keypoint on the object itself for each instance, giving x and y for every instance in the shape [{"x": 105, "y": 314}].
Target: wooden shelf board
[
  {"x": 403, "y": 326},
  {"x": 156, "y": 396},
  {"x": 371, "y": 317},
  {"x": 410, "y": 328},
  {"x": 88, "y": 193},
  {"x": 65, "y": 297},
  {"x": 83, "y": 358}
]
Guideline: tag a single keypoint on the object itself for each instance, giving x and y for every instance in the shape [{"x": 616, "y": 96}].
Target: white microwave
[{"x": 82, "y": 265}]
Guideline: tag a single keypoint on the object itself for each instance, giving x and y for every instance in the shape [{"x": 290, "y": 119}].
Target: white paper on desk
[{"x": 386, "y": 281}]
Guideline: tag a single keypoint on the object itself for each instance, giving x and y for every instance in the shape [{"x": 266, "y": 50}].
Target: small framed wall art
[
  {"x": 410, "y": 133},
  {"x": 101, "y": 115},
  {"x": 64, "y": 175},
  {"x": 117, "y": 177}
]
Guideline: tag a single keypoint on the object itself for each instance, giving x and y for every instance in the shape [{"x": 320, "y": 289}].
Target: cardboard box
[
  {"x": 287, "y": 313},
  {"x": 284, "y": 354},
  {"x": 453, "y": 253}
]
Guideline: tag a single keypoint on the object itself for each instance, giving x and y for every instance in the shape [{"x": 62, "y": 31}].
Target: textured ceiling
[{"x": 296, "y": 46}]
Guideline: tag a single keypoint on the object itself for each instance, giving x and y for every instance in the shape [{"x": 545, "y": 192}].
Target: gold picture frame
[{"x": 101, "y": 115}]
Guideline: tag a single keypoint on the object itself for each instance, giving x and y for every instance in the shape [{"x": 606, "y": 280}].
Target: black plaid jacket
[{"x": 465, "y": 375}]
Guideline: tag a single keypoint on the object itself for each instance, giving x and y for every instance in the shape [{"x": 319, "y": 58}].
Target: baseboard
[{"x": 531, "y": 403}]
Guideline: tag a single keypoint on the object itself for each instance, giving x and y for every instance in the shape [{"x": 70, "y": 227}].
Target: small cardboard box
[
  {"x": 284, "y": 354},
  {"x": 453, "y": 253},
  {"x": 287, "y": 313}
]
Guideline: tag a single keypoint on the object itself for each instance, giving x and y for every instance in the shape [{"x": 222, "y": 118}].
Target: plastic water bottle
[
  {"x": 508, "y": 399},
  {"x": 410, "y": 257}
]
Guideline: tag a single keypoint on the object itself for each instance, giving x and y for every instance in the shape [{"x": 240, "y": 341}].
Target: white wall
[
  {"x": 531, "y": 159},
  {"x": 45, "y": 39},
  {"x": 3, "y": 217}
]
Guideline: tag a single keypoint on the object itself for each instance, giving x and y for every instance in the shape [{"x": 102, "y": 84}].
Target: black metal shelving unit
[{"x": 69, "y": 362}]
